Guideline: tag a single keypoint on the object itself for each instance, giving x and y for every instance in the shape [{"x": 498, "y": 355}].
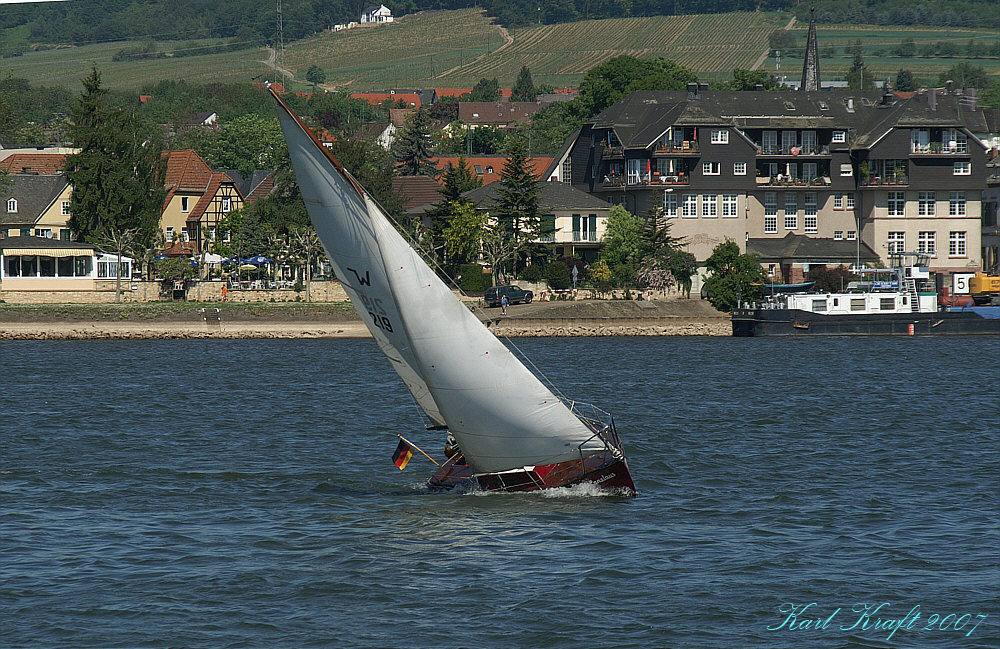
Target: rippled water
[{"x": 241, "y": 494}]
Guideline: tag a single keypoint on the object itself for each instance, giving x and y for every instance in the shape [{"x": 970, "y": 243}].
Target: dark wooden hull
[
  {"x": 794, "y": 322},
  {"x": 606, "y": 469}
]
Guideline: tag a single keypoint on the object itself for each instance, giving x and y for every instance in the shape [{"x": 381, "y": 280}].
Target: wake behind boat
[{"x": 514, "y": 433}]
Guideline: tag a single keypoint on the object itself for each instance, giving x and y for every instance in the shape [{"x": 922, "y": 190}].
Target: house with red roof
[
  {"x": 197, "y": 200},
  {"x": 488, "y": 168},
  {"x": 411, "y": 99}
]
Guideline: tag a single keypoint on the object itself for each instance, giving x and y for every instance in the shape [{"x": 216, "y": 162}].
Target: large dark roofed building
[{"x": 904, "y": 175}]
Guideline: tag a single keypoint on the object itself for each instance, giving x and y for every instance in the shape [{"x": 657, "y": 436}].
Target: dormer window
[
  {"x": 824, "y": 106},
  {"x": 226, "y": 204},
  {"x": 839, "y": 137},
  {"x": 12, "y": 206},
  {"x": 185, "y": 204},
  {"x": 789, "y": 105},
  {"x": 489, "y": 170},
  {"x": 720, "y": 137}
]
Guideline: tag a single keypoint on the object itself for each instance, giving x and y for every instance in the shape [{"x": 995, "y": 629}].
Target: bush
[
  {"x": 532, "y": 273},
  {"x": 557, "y": 275},
  {"x": 472, "y": 280}
]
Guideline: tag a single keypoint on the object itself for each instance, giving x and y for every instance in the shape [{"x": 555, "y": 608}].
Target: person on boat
[
  {"x": 452, "y": 450},
  {"x": 503, "y": 305}
]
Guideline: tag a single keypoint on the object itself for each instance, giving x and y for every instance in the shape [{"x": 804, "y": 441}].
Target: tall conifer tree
[{"x": 413, "y": 147}]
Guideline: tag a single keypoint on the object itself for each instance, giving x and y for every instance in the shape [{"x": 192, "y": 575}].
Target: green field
[
  {"x": 456, "y": 48},
  {"x": 438, "y": 49},
  {"x": 878, "y": 41}
]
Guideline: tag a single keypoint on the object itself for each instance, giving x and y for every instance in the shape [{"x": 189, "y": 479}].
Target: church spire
[{"x": 810, "y": 67}]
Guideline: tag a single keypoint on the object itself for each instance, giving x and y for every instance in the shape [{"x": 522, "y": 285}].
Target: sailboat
[{"x": 513, "y": 432}]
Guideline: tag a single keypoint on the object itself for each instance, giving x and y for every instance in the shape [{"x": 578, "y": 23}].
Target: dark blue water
[{"x": 240, "y": 494}]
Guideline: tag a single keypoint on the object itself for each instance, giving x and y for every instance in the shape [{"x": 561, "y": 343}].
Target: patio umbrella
[
  {"x": 248, "y": 267},
  {"x": 258, "y": 260}
]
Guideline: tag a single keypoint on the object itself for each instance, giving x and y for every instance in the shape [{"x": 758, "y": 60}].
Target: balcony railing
[
  {"x": 645, "y": 180},
  {"x": 584, "y": 235},
  {"x": 774, "y": 181},
  {"x": 549, "y": 237},
  {"x": 792, "y": 150},
  {"x": 891, "y": 181},
  {"x": 687, "y": 146},
  {"x": 935, "y": 148},
  {"x": 614, "y": 151}
]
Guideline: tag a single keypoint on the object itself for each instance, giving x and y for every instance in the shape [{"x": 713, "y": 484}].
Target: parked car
[{"x": 515, "y": 295}]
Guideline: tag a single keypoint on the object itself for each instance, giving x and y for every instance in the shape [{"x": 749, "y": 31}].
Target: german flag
[{"x": 402, "y": 455}]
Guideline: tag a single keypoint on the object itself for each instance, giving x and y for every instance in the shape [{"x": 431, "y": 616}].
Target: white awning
[{"x": 48, "y": 252}]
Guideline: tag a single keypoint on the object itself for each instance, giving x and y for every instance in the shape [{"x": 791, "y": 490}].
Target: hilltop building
[
  {"x": 878, "y": 171},
  {"x": 376, "y": 14}
]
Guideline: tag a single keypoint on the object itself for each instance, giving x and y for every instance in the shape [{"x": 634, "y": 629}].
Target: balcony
[
  {"x": 643, "y": 180},
  {"x": 687, "y": 147},
  {"x": 898, "y": 180},
  {"x": 549, "y": 237},
  {"x": 613, "y": 151},
  {"x": 936, "y": 148},
  {"x": 584, "y": 236},
  {"x": 792, "y": 183},
  {"x": 796, "y": 151}
]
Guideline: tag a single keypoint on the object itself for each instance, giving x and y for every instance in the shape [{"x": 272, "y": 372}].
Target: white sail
[{"x": 502, "y": 416}]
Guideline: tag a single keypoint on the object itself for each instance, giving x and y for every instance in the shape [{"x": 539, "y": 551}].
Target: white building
[{"x": 376, "y": 14}]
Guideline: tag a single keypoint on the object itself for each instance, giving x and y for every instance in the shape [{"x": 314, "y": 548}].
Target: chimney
[
  {"x": 949, "y": 86},
  {"x": 692, "y": 89},
  {"x": 850, "y": 104},
  {"x": 932, "y": 98},
  {"x": 887, "y": 98}
]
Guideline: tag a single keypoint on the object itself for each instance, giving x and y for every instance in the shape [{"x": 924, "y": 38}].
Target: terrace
[
  {"x": 878, "y": 173},
  {"x": 793, "y": 174},
  {"x": 946, "y": 141},
  {"x": 777, "y": 150},
  {"x": 619, "y": 181}
]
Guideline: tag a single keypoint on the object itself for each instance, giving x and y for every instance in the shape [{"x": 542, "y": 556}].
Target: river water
[{"x": 241, "y": 494}]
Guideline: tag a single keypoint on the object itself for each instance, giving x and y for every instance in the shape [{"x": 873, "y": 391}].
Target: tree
[
  {"x": 413, "y": 147},
  {"x": 655, "y": 273},
  {"x": 732, "y": 277},
  {"x": 991, "y": 96},
  {"x": 966, "y": 75},
  {"x": 315, "y": 75},
  {"x": 244, "y": 143},
  {"x": 458, "y": 179},
  {"x": 600, "y": 275},
  {"x": 524, "y": 87},
  {"x": 499, "y": 246},
  {"x": 117, "y": 175},
  {"x": 372, "y": 166},
  {"x": 907, "y": 49},
  {"x": 856, "y": 77},
  {"x": 517, "y": 195},
  {"x": 463, "y": 234},
  {"x": 307, "y": 242},
  {"x": 904, "y": 81},
  {"x": 622, "y": 249},
  {"x": 118, "y": 243},
  {"x": 558, "y": 276},
  {"x": 750, "y": 79},
  {"x": 618, "y": 77},
  {"x": 484, "y": 90}
]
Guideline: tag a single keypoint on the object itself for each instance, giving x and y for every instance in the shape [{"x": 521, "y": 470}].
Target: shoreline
[
  {"x": 339, "y": 320},
  {"x": 357, "y": 329}
]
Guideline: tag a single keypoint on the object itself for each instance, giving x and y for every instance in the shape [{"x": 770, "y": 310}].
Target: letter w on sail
[{"x": 364, "y": 281}]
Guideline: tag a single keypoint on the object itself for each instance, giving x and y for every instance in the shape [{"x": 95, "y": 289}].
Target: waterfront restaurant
[{"x": 43, "y": 264}]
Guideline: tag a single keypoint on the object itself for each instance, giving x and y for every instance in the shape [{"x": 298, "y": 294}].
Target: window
[
  {"x": 566, "y": 175},
  {"x": 769, "y": 141},
  {"x": 897, "y": 203},
  {"x": 44, "y": 233},
  {"x": 709, "y": 205},
  {"x": 211, "y": 233},
  {"x": 956, "y": 244},
  {"x": 720, "y": 137},
  {"x": 838, "y": 235},
  {"x": 838, "y": 201},
  {"x": 851, "y": 235},
  {"x": 489, "y": 169},
  {"x": 956, "y": 204},
  {"x": 770, "y": 204},
  {"x": 170, "y": 234},
  {"x": 791, "y": 211},
  {"x": 689, "y": 206},
  {"x": 185, "y": 203},
  {"x": 920, "y": 140},
  {"x": 729, "y": 205},
  {"x": 857, "y": 304},
  {"x": 479, "y": 169},
  {"x": 809, "y": 142},
  {"x": 12, "y": 206},
  {"x": 770, "y": 224},
  {"x": 926, "y": 242},
  {"x": 846, "y": 169},
  {"x": 896, "y": 242},
  {"x": 226, "y": 204},
  {"x": 925, "y": 205},
  {"x": 809, "y": 219},
  {"x": 711, "y": 168},
  {"x": 850, "y": 201},
  {"x": 187, "y": 235},
  {"x": 65, "y": 234},
  {"x": 839, "y": 137},
  {"x": 670, "y": 204},
  {"x": 887, "y": 303},
  {"x": 739, "y": 168},
  {"x": 788, "y": 140},
  {"x": 809, "y": 171},
  {"x": 65, "y": 208},
  {"x": 818, "y": 305},
  {"x": 962, "y": 169}
]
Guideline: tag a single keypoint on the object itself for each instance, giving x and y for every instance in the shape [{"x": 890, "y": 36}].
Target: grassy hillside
[
  {"x": 878, "y": 43},
  {"x": 457, "y": 48}
]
